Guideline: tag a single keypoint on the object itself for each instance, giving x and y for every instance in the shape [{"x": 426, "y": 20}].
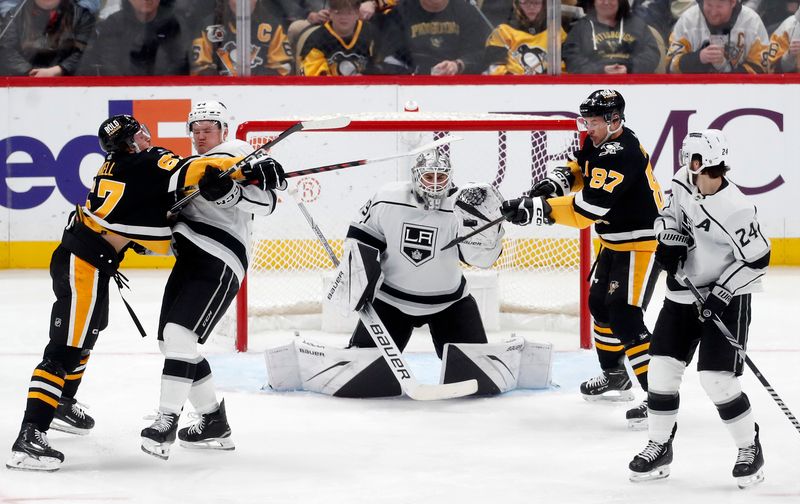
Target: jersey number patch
[
  {"x": 419, "y": 243},
  {"x": 744, "y": 233}
]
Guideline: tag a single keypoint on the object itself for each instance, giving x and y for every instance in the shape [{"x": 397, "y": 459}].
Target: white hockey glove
[
  {"x": 557, "y": 183},
  {"x": 356, "y": 278},
  {"x": 477, "y": 204},
  {"x": 524, "y": 210},
  {"x": 223, "y": 192}
]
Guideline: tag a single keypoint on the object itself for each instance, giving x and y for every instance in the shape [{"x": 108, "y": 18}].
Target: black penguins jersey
[
  {"x": 327, "y": 53},
  {"x": 616, "y": 190}
]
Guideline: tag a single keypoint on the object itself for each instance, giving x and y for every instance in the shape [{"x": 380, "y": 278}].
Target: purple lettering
[
  {"x": 69, "y": 161},
  {"x": 42, "y": 165},
  {"x": 678, "y": 123}
]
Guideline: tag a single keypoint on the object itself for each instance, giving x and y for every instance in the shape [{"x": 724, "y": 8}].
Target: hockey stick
[
  {"x": 458, "y": 239},
  {"x": 348, "y": 164},
  {"x": 386, "y": 345},
  {"x": 683, "y": 279},
  {"x": 315, "y": 124},
  {"x": 13, "y": 17}
]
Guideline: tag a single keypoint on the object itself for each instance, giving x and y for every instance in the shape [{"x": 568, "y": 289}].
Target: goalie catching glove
[
  {"x": 475, "y": 206},
  {"x": 266, "y": 173},
  {"x": 524, "y": 210},
  {"x": 356, "y": 277},
  {"x": 222, "y": 191},
  {"x": 557, "y": 183}
]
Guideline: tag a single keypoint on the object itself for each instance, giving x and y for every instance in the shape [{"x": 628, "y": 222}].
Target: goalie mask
[
  {"x": 117, "y": 133},
  {"x": 431, "y": 177},
  {"x": 709, "y": 145},
  {"x": 209, "y": 111}
]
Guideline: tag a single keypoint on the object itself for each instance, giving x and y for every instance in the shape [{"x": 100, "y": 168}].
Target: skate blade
[
  {"x": 156, "y": 449},
  {"x": 69, "y": 429},
  {"x": 637, "y": 424},
  {"x": 225, "y": 443},
  {"x": 611, "y": 396},
  {"x": 23, "y": 462},
  {"x": 656, "y": 474},
  {"x": 746, "y": 482}
]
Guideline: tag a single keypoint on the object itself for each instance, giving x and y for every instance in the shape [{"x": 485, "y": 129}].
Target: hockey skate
[
  {"x": 71, "y": 417},
  {"x": 158, "y": 437},
  {"x": 611, "y": 385},
  {"x": 32, "y": 451},
  {"x": 748, "y": 469},
  {"x": 653, "y": 462},
  {"x": 211, "y": 431},
  {"x": 637, "y": 417}
]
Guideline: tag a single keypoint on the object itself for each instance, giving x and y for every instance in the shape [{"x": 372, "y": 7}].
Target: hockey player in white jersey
[
  {"x": 211, "y": 242},
  {"x": 408, "y": 222},
  {"x": 708, "y": 230}
]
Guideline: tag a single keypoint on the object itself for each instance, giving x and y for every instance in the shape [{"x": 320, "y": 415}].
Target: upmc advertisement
[{"x": 49, "y": 150}]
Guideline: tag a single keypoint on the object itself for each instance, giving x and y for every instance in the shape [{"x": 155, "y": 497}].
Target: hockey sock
[
  {"x": 44, "y": 391},
  {"x": 202, "y": 394},
  {"x": 176, "y": 383},
  {"x": 639, "y": 357},
  {"x": 732, "y": 404},
  {"x": 73, "y": 378},
  {"x": 609, "y": 349},
  {"x": 663, "y": 400}
]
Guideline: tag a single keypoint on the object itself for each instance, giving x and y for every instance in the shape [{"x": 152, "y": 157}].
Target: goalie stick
[
  {"x": 315, "y": 124},
  {"x": 683, "y": 279},
  {"x": 386, "y": 345}
]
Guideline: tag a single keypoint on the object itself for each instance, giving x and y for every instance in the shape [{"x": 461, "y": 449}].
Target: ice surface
[{"x": 301, "y": 447}]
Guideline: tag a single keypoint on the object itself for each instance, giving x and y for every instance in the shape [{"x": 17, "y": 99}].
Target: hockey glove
[
  {"x": 524, "y": 210},
  {"x": 673, "y": 247},
  {"x": 221, "y": 190},
  {"x": 266, "y": 173},
  {"x": 715, "y": 303},
  {"x": 558, "y": 183}
]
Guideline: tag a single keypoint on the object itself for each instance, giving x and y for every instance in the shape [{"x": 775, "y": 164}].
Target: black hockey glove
[
  {"x": 558, "y": 183},
  {"x": 715, "y": 303},
  {"x": 524, "y": 210},
  {"x": 222, "y": 191},
  {"x": 673, "y": 247},
  {"x": 266, "y": 173}
]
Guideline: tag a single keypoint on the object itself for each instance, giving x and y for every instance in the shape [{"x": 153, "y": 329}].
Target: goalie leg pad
[
  {"x": 356, "y": 277},
  {"x": 351, "y": 372},
  {"x": 496, "y": 366}
]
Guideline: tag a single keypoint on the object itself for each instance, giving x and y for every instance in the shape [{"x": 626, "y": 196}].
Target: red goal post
[{"x": 509, "y": 150}]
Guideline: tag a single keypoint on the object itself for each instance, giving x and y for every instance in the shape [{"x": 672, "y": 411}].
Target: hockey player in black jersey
[
  {"x": 610, "y": 184},
  {"x": 211, "y": 243},
  {"x": 709, "y": 232}
]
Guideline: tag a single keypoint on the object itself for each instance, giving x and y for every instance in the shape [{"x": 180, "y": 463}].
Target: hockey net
[{"x": 541, "y": 272}]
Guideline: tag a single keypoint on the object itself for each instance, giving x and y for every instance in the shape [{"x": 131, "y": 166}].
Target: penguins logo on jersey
[
  {"x": 419, "y": 243},
  {"x": 348, "y": 64},
  {"x": 611, "y": 148},
  {"x": 532, "y": 58}
]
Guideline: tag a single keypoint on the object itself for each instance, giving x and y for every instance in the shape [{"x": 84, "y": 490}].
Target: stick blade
[
  {"x": 324, "y": 124},
  {"x": 426, "y": 392}
]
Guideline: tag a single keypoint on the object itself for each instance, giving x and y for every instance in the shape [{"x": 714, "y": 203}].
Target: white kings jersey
[
  {"x": 419, "y": 279},
  {"x": 726, "y": 245},
  {"x": 225, "y": 232}
]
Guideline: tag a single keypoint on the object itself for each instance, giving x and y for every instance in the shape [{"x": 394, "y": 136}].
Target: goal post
[{"x": 543, "y": 271}]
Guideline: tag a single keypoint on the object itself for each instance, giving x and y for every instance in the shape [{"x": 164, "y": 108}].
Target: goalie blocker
[{"x": 362, "y": 372}]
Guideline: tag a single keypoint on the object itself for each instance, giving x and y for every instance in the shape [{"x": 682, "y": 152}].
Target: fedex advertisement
[{"x": 49, "y": 151}]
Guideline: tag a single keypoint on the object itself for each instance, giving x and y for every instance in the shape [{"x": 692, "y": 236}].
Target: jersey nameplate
[{"x": 419, "y": 243}]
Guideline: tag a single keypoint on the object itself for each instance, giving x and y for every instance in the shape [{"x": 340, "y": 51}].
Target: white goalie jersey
[
  {"x": 225, "y": 232},
  {"x": 419, "y": 278},
  {"x": 726, "y": 246}
]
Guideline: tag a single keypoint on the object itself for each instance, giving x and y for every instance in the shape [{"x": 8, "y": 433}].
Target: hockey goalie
[{"x": 392, "y": 259}]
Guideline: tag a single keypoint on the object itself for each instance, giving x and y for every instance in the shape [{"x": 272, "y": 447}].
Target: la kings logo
[{"x": 419, "y": 243}]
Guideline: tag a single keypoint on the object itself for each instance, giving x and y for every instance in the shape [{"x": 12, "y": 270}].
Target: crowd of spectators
[{"x": 46, "y": 38}]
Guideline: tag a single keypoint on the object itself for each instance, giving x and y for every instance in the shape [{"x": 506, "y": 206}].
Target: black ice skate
[
  {"x": 157, "y": 439},
  {"x": 32, "y": 451},
  {"x": 611, "y": 385},
  {"x": 210, "y": 432},
  {"x": 748, "y": 470},
  {"x": 637, "y": 417},
  {"x": 71, "y": 417},
  {"x": 653, "y": 462}
]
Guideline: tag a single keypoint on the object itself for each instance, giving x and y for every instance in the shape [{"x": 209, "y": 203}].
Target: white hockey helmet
[
  {"x": 208, "y": 111},
  {"x": 431, "y": 177},
  {"x": 710, "y": 144}
]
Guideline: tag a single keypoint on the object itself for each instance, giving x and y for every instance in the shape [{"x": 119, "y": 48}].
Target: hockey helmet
[
  {"x": 711, "y": 145},
  {"x": 116, "y": 133},
  {"x": 604, "y": 103},
  {"x": 208, "y": 111},
  {"x": 431, "y": 176}
]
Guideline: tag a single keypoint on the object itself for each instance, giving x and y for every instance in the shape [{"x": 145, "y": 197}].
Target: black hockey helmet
[
  {"x": 604, "y": 103},
  {"x": 116, "y": 133}
]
